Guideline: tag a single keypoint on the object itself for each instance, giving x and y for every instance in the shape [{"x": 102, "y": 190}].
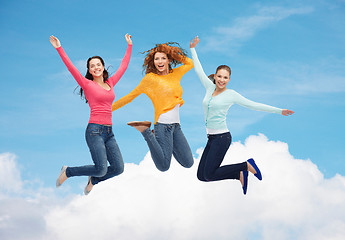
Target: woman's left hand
[
  {"x": 128, "y": 39},
  {"x": 194, "y": 42},
  {"x": 287, "y": 112}
]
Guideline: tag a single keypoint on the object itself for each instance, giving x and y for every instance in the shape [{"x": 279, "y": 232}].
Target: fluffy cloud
[
  {"x": 294, "y": 201},
  {"x": 10, "y": 179}
]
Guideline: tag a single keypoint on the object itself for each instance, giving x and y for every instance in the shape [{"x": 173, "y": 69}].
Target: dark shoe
[
  {"x": 245, "y": 182},
  {"x": 258, "y": 173},
  {"x": 139, "y": 123}
]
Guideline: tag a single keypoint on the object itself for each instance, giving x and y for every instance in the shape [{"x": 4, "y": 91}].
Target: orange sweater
[{"x": 165, "y": 91}]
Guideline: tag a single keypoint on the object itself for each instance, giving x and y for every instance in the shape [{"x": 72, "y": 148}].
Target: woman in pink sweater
[{"x": 98, "y": 88}]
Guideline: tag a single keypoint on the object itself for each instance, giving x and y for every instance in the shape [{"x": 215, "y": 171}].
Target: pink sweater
[{"x": 99, "y": 99}]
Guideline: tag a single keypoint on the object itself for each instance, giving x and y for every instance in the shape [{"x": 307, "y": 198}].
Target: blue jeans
[
  {"x": 168, "y": 140},
  {"x": 209, "y": 167},
  {"x": 103, "y": 147}
]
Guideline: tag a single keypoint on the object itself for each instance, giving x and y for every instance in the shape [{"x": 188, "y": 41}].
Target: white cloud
[
  {"x": 294, "y": 201},
  {"x": 10, "y": 179},
  {"x": 244, "y": 28}
]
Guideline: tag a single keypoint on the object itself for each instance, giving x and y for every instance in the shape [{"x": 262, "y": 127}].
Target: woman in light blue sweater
[{"x": 217, "y": 101}]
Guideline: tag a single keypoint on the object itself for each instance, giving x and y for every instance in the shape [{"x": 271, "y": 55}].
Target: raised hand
[
  {"x": 287, "y": 112},
  {"x": 194, "y": 42},
  {"x": 128, "y": 39},
  {"x": 54, "y": 41}
]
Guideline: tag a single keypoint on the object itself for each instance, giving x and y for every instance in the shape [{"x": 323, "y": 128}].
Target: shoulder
[
  {"x": 232, "y": 92},
  {"x": 149, "y": 76}
]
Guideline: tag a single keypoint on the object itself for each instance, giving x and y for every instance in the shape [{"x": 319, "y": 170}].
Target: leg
[
  {"x": 201, "y": 167},
  {"x": 219, "y": 145},
  {"x": 114, "y": 158},
  {"x": 98, "y": 152},
  {"x": 160, "y": 145},
  {"x": 181, "y": 149}
]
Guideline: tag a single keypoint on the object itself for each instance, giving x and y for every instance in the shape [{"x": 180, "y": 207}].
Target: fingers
[
  {"x": 194, "y": 42},
  {"x": 128, "y": 38},
  {"x": 287, "y": 112}
]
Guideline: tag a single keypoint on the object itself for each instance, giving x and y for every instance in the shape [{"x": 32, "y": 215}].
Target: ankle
[
  {"x": 250, "y": 168},
  {"x": 241, "y": 178}
]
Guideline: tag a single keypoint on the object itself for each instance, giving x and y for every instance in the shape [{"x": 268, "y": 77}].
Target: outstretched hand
[
  {"x": 128, "y": 39},
  {"x": 287, "y": 112},
  {"x": 194, "y": 42},
  {"x": 54, "y": 41}
]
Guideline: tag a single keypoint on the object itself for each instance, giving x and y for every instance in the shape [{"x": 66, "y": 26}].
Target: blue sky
[
  {"x": 283, "y": 53},
  {"x": 289, "y": 54}
]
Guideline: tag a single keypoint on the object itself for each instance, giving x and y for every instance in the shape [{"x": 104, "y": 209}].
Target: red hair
[{"x": 174, "y": 53}]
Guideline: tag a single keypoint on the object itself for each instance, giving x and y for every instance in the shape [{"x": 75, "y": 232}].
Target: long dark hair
[
  {"x": 90, "y": 77},
  {"x": 174, "y": 53},
  {"x": 225, "y": 67}
]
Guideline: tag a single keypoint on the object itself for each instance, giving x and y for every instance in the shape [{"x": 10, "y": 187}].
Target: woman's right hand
[
  {"x": 194, "y": 42},
  {"x": 128, "y": 39},
  {"x": 54, "y": 41}
]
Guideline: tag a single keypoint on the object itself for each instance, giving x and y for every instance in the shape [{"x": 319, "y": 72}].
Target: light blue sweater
[{"x": 216, "y": 108}]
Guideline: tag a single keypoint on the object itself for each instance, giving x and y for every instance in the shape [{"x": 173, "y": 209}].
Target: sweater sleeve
[
  {"x": 123, "y": 67},
  {"x": 127, "y": 99},
  {"x": 199, "y": 71},
  {"x": 187, "y": 65},
  {"x": 71, "y": 68},
  {"x": 239, "y": 99}
]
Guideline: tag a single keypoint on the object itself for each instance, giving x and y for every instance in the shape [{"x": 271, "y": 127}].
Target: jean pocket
[{"x": 93, "y": 130}]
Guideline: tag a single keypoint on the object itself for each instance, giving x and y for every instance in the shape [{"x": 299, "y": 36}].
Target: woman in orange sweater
[{"x": 162, "y": 85}]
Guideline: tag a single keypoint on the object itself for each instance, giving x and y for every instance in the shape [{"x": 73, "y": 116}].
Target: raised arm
[
  {"x": 197, "y": 65},
  {"x": 124, "y": 64},
  {"x": 71, "y": 68},
  {"x": 187, "y": 65}
]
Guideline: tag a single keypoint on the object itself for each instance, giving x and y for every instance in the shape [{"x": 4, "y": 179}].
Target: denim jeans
[
  {"x": 209, "y": 167},
  {"x": 168, "y": 140},
  {"x": 103, "y": 147}
]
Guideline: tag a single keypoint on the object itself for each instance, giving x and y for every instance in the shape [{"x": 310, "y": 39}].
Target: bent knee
[
  {"x": 201, "y": 178},
  {"x": 120, "y": 169},
  {"x": 101, "y": 171},
  {"x": 117, "y": 170},
  {"x": 189, "y": 165},
  {"x": 163, "y": 168}
]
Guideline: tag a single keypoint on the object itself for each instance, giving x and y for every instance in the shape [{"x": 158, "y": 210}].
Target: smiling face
[
  {"x": 161, "y": 62},
  {"x": 221, "y": 78},
  {"x": 96, "y": 68}
]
